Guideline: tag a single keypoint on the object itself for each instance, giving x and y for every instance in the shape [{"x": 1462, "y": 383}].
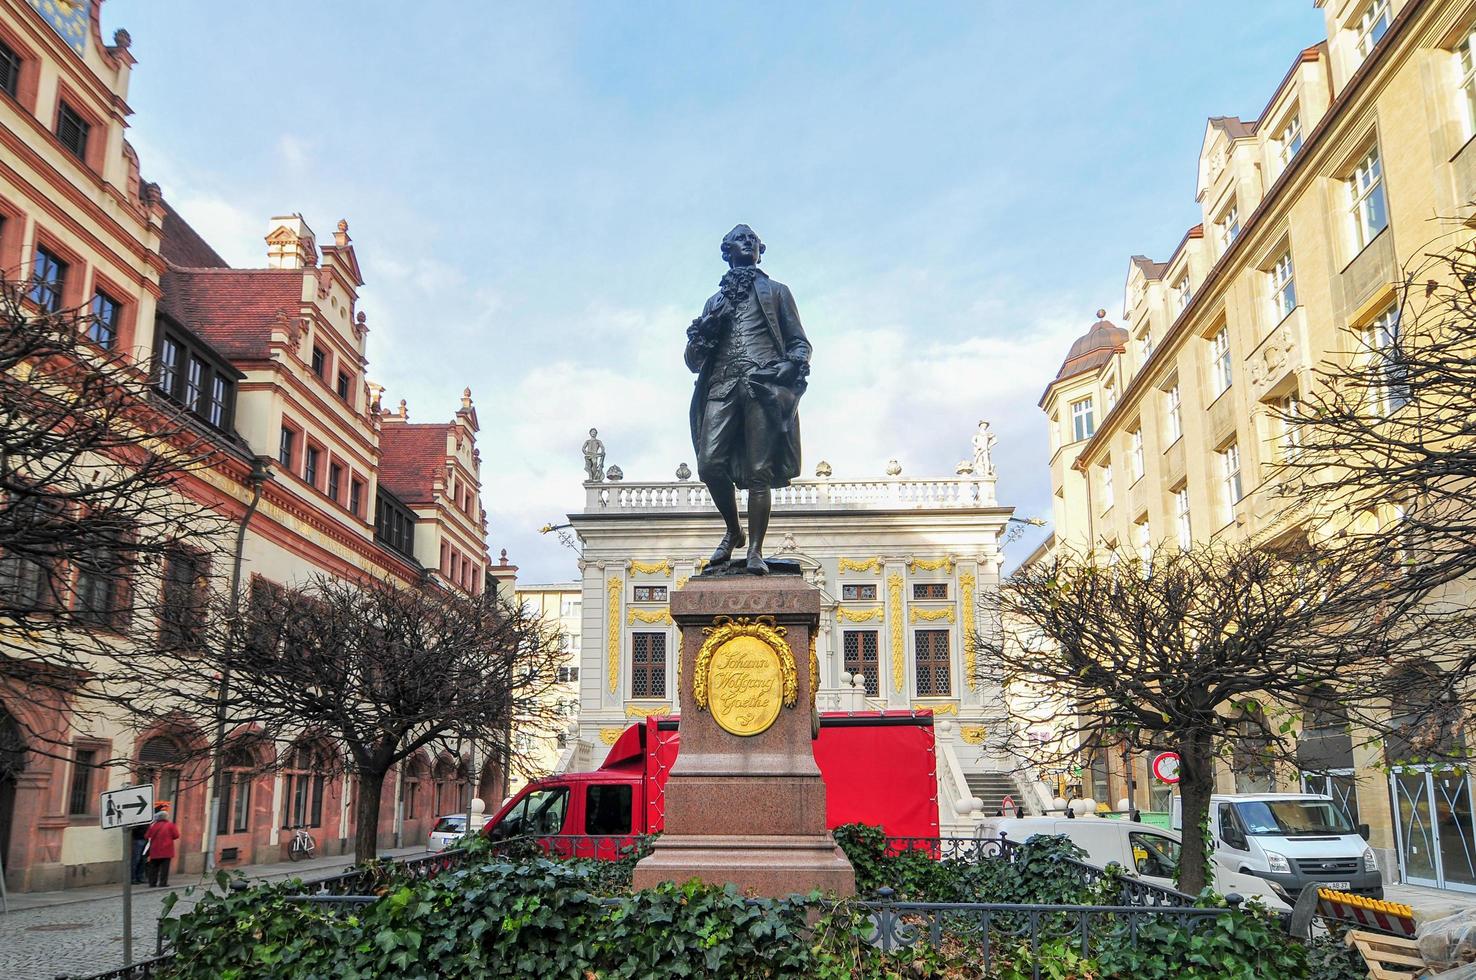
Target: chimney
[{"x": 291, "y": 243}]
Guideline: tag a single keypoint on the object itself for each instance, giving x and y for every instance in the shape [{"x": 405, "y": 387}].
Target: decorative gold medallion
[{"x": 744, "y": 674}]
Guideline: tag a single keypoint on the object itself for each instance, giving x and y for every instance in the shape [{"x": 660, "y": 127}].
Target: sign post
[
  {"x": 125, "y": 809},
  {"x": 1166, "y": 767}
]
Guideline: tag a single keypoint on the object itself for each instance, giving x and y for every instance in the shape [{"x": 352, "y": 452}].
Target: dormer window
[
  {"x": 1371, "y": 26},
  {"x": 191, "y": 375},
  {"x": 1229, "y": 226},
  {"x": 1083, "y": 422},
  {"x": 72, "y": 130}
]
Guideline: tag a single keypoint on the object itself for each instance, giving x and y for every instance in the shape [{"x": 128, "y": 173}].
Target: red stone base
[{"x": 771, "y": 866}]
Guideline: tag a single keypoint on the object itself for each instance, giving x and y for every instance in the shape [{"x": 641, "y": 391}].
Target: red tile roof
[
  {"x": 183, "y": 246},
  {"x": 410, "y": 458},
  {"x": 232, "y": 309}
]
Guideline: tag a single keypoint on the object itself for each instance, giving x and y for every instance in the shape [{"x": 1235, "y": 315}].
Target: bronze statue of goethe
[{"x": 752, "y": 359}]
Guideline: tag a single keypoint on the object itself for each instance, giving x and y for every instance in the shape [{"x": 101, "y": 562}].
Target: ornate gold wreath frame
[{"x": 726, "y": 628}]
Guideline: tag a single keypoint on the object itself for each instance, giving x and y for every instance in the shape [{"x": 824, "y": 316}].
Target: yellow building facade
[{"x": 1163, "y": 426}]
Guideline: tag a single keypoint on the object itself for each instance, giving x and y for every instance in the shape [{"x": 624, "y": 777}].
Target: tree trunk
[
  {"x": 366, "y": 815},
  {"x": 1196, "y": 784}
]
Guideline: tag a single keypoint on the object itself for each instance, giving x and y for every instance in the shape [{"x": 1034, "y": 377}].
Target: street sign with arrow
[{"x": 127, "y": 807}]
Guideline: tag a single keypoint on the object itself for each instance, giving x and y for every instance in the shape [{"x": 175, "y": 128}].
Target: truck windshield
[
  {"x": 1293, "y": 818},
  {"x": 540, "y": 812}
]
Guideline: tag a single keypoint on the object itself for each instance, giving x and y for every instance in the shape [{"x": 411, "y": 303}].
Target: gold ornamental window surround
[
  {"x": 874, "y": 615},
  {"x": 860, "y": 565}
]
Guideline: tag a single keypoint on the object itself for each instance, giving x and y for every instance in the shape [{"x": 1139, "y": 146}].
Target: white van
[
  {"x": 1293, "y": 840},
  {"x": 1146, "y": 852}
]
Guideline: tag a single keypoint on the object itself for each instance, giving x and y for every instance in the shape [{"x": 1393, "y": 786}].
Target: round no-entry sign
[{"x": 1166, "y": 767}]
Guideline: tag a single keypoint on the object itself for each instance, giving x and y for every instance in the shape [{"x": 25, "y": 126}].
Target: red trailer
[{"x": 879, "y": 768}]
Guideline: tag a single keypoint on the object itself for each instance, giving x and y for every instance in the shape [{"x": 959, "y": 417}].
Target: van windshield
[{"x": 1293, "y": 818}]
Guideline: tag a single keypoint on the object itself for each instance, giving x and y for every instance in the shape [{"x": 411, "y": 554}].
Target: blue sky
[{"x": 537, "y": 192}]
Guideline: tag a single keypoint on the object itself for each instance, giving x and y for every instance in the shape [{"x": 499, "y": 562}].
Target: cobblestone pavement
[{"x": 55, "y": 934}]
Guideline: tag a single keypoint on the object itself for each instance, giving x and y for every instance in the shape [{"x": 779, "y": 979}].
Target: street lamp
[{"x": 260, "y": 475}]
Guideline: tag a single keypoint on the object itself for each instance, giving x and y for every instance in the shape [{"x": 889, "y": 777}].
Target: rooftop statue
[
  {"x": 752, "y": 359},
  {"x": 594, "y": 458},
  {"x": 984, "y": 441}
]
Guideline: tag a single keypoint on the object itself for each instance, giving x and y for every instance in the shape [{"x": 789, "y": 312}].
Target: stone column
[{"x": 747, "y": 808}]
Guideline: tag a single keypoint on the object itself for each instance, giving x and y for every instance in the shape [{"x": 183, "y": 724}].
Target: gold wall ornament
[
  {"x": 814, "y": 669},
  {"x": 860, "y": 564},
  {"x": 664, "y": 567},
  {"x": 682, "y": 582},
  {"x": 932, "y": 615},
  {"x": 611, "y": 735},
  {"x": 930, "y": 564},
  {"x": 646, "y": 710},
  {"x": 743, "y": 672},
  {"x": 973, "y": 734},
  {"x": 966, "y": 585},
  {"x": 940, "y": 708},
  {"x": 859, "y": 615},
  {"x": 632, "y": 616},
  {"x": 614, "y": 587},
  {"x": 894, "y": 600}
]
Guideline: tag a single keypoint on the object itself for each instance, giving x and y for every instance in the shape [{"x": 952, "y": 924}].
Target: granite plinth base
[{"x": 772, "y": 866}]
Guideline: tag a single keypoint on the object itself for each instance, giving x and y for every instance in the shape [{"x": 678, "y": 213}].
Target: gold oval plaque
[{"x": 745, "y": 685}]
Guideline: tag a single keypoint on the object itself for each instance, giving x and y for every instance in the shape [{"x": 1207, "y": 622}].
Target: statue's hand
[{"x": 783, "y": 373}]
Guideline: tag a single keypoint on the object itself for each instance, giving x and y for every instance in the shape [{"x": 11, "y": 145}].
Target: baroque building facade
[
  {"x": 1166, "y": 427},
  {"x": 270, "y": 364},
  {"x": 903, "y": 565}
]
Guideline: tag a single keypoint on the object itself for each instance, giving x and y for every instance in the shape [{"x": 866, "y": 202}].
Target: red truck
[{"x": 879, "y": 768}]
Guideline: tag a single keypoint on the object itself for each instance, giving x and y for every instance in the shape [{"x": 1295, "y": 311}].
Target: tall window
[
  {"x": 99, "y": 597},
  {"x": 1145, "y": 345},
  {"x": 182, "y": 611},
  {"x": 72, "y": 130},
  {"x": 1366, "y": 199},
  {"x": 356, "y": 497},
  {"x": 1220, "y": 374},
  {"x": 50, "y": 280},
  {"x": 1135, "y": 453},
  {"x": 1283, "y": 287},
  {"x": 1182, "y": 293},
  {"x": 1466, "y": 70},
  {"x": 1083, "y": 423},
  {"x": 1382, "y": 340},
  {"x": 1143, "y": 539},
  {"x": 168, "y": 366},
  {"x": 84, "y": 767},
  {"x": 192, "y": 376},
  {"x": 302, "y": 788},
  {"x": 1289, "y": 140},
  {"x": 10, "y": 67},
  {"x": 343, "y": 385},
  {"x": 1229, "y": 226},
  {"x": 860, "y": 649},
  {"x": 310, "y": 464},
  {"x": 1107, "y": 492},
  {"x": 1230, "y": 478},
  {"x": 28, "y": 582},
  {"x": 1109, "y": 396},
  {"x": 320, "y": 361},
  {"x": 194, "y": 384},
  {"x": 934, "y": 674},
  {"x": 1181, "y": 518},
  {"x": 648, "y": 665},
  {"x": 1171, "y": 401},
  {"x": 216, "y": 401},
  {"x": 335, "y": 482},
  {"x": 1372, "y": 24},
  {"x": 102, "y": 328},
  {"x": 285, "y": 447},
  {"x": 235, "y": 791},
  {"x": 160, "y": 763},
  {"x": 1289, "y": 430}
]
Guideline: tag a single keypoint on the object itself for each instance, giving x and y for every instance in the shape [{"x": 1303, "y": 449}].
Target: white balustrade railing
[{"x": 884, "y": 493}]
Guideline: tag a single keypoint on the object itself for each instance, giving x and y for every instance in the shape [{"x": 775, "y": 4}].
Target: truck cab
[{"x": 1293, "y": 841}]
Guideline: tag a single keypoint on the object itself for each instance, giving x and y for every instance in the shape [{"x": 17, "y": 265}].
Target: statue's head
[
  {"x": 593, "y": 433},
  {"x": 741, "y": 246}
]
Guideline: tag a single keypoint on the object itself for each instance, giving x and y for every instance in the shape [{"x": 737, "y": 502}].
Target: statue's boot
[
  {"x": 733, "y": 539},
  {"x": 758, "y": 525}
]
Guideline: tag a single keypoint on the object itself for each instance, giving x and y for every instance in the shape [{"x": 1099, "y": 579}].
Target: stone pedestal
[{"x": 747, "y": 809}]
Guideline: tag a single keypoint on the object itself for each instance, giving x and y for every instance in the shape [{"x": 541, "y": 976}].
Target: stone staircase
[{"x": 992, "y": 786}]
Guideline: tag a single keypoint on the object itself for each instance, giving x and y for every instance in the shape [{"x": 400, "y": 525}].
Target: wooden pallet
[{"x": 1388, "y": 957}]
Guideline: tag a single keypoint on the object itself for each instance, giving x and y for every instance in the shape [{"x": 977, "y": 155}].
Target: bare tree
[
  {"x": 1212, "y": 651},
  {"x": 378, "y": 670},
  {"x": 93, "y": 502}
]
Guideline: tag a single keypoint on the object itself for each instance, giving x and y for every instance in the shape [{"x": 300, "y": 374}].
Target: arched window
[
  {"x": 1325, "y": 751},
  {"x": 160, "y": 762},
  {"x": 303, "y": 781},
  {"x": 410, "y": 792},
  {"x": 238, "y": 768},
  {"x": 1252, "y": 753}
]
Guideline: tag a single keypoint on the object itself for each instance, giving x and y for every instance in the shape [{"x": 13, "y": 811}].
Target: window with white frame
[
  {"x": 1228, "y": 226},
  {"x": 1288, "y": 426},
  {"x": 1143, "y": 539},
  {"x": 1181, "y": 518},
  {"x": 1107, "y": 493},
  {"x": 1145, "y": 345},
  {"x": 1171, "y": 401},
  {"x": 1109, "y": 396},
  {"x": 1230, "y": 478},
  {"x": 1220, "y": 374},
  {"x": 1465, "y": 53},
  {"x": 1391, "y": 392},
  {"x": 1366, "y": 209},
  {"x": 1135, "y": 453},
  {"x": 1283, "y": 287},
  {"x": 1371, "y": 25},
  {"x": 1083, "y": 422},
  {"x": 1182, "y": 293},
  {"x": 1289, "y": 140}
]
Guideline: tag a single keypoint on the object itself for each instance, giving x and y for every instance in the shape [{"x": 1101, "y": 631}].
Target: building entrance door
[
  {"x": 12, "y": 761},
  {"x": 1436, "y": 825},
  {"x": 1338, "y": 784}
]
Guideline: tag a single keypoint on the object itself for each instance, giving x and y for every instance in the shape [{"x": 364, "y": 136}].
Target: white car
[{"x": 450, "y": 829}]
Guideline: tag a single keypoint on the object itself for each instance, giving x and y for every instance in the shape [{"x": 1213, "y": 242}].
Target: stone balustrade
[{"x": 883, "y": 493}]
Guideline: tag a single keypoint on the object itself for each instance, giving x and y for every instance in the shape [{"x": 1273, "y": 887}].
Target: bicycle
[{"x": 303, "y": 846}]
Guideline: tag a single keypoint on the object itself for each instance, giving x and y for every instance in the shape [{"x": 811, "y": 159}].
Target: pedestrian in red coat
[{"x": 161, "y": 835}]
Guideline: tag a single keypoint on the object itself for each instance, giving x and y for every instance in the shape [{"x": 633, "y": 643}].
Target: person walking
[{"x": 161, "y": 835}]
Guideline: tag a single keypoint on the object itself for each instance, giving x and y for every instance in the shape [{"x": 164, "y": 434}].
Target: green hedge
[{"x": 535, "y": 917}]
